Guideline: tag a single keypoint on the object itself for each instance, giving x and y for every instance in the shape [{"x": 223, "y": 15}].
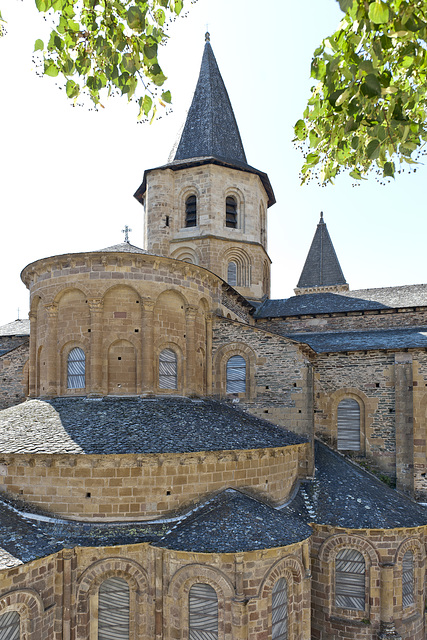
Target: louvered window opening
[
  {"x": 168, "y": 378},
  {"x": 350, "y": 580},
  {"x": 203, "y": 613},
  {"x": 10, "y": 625},
  {"x": 408, "y": 582},
  {"x": 76, "y": 365},
  {"x": 113, "y": 610},
  {"x": 232, "y": 274},
  {"x": 279, "y": 610},
  {"x": 231, "y": 213},
  {"x": 236, "y": 375},
  {"x": 348, "y": 425},
  {"x": 191, "y": 212}
]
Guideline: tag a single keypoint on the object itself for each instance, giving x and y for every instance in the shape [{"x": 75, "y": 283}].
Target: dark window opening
[
  {"x": 191, "y": 211},
  {"x": 231, "y": 212}
]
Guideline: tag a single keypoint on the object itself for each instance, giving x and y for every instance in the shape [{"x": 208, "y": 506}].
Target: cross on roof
[{"x": 126, "y": 231}]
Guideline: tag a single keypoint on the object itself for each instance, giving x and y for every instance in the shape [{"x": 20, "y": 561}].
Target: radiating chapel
[{"x": 184, "y": 458}]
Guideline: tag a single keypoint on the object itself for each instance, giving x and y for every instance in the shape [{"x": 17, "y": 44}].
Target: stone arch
[
  {"x": 243, "y": 264},
  {"x": 179, "y": 589},
  {"x": 419, "y": 554},
  {"x": 65, "y": 291},
  {"x": 183, "y": 195},
  {"x": 122, "y": 368},
  {"x": 29, "y": 604},
  {"x": 87, "y": 595},
  {"x": 292, "y": 571},
  {"x": 220, "y": 359},
  {"x": 237, "y": 194},
  {"x": 326, "y": 557},
  {"x": 186, "y": 254},
  {"x": 170, "y": 322}
]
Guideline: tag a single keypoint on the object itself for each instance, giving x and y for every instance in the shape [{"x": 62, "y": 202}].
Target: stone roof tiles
[
  {"x": 210, "y": 128},
  {"x": 123, "y": 247},
  {"x": 16, "y": 328},
  {"x": 321, "y": 267},
  {"x": 134, "y": 425},
  {"x": 345, "y": 301}
]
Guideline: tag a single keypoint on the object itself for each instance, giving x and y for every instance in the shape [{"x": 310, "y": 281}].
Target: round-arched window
[
  {"x": 236, "y": 375},
  {"x": 168, "y": 370},
  {"x": 76, "y": 365}
]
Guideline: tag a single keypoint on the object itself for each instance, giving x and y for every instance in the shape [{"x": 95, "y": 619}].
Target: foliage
[
  {"x": 368, "y": 110},
  {"x": 103, "y": 47}
]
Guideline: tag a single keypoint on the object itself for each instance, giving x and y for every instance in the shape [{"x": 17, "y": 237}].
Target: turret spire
[
  {"x": 322, "y": 271},
  {"x": 210, "y": 129}
]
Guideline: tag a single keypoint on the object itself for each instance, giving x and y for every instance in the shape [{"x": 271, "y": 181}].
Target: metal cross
[{"x": 126, "y": 231}]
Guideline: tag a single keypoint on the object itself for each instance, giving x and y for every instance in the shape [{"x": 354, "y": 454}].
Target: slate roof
[
  {"x": 336, "y": 341},
  {"x": 134, "y": 425},
  {"x": 123, "y": 247},
  {"x": 345, "y": 495},
  {"x": 233, "y": 521},
  {"x": 210, "y": 128},
  {"x": 16, "y": 328},
  {"x": 345, "y": 302},
  {"x": 321, "y": 267}
]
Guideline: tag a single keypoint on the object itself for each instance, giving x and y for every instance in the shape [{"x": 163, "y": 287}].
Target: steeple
[
  {"x": 321, "y": 271},
  {"x": 210, "y": 129}
]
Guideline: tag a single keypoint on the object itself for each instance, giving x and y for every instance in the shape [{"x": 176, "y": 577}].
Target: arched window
[
  {"x": 236, "y": 375},
  {"x": 76, "y": 364},
  {"x": 232, "y": 274},
  {"x": 191, "y": 211},
  {"x": 350, "y": 580},
  {"x": 279, "y": 610},
  {"x": 408, "y": 580},
  {"x": 168, "y": 378},
  {"x": 113, "y": 610},
  {"x": 348, "y": 426},
  {"x": 231, "y": 212},
  {"x": 203, "y": 613},
  {"x": 10, "y": 624}
]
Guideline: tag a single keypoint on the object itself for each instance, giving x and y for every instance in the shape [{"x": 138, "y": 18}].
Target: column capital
[
  {"x": 147, "y": 304},
  {"x": 95, "y": 304},
  {"x": 191, "y": 311},
  {"x": 51, "y": 309}
]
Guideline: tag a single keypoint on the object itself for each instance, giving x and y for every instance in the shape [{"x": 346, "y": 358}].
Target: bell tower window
[
  {"x": 191, "y": 211},
  {"x": 231, "y": 212}
]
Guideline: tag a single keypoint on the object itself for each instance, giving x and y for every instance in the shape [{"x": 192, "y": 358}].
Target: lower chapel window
[
  {"x": 408, "y": 580},
  {"x": 348, "y": 425},
  {"x": 232, "y": 274},
  {"x": 279, "y": 610},
  {"x": 168, "y": 378},
  {"x": 113, "y": 610},
  {"x": 236, "y": 375},
  {"x": 76, "y": 369},
  {"x": 350, "y": 580},
  {"x": 203, "y": 613},
  {"x": 10, "y": 624}
]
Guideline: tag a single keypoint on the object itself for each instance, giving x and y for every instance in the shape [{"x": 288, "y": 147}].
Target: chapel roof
[
  {"x": 210, "y": 128},
  {"x": 16, "y": 328},
  {"x": 321, "y": 267},
  {"x": 345, "y": 301},
  {"x": 134, "y": 425},
  {"x": 123, "y": 247}
]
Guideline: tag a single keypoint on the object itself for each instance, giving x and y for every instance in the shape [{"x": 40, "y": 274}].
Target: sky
[{"x": 67, "y": 175}]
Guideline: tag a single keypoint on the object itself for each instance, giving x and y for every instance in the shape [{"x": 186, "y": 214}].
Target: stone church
[{"x": 183, "y": 458}]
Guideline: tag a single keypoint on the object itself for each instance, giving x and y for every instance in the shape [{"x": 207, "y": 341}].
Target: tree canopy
[
  {"x": 104, "y": 47},
  {"x": 368, "y": 109}
]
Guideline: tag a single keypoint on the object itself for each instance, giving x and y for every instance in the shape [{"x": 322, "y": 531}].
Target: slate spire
[
  {"x": 210, "y": 129},
  {"x": 321, "y": 271}
]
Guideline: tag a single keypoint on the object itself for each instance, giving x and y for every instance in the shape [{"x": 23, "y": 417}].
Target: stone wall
[
  {"x": 134, "y": 486},
  {"x": 57, "y": 597},
  {"x": 13, "y": 371}
]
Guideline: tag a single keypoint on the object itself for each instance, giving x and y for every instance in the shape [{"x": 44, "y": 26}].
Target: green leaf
[
  {"x": 38, "y": 45},
  {"x": 135, "y": 19},
  {"x": 388, "y": 170},
  {"x": 167, "y": 97},
  {"x": 72, "y": 89},
  {"x": 372, "y": 86},
  {"x": 312, "y": 159},
  {"x": 43, "y": 5},
  {"x": 50, "y": 69},
  {"x": 146, "y": 105},
  {"x": 300, "y": 130},
  {"x": 373, "y": 149},
  {"x": 345, "y": 5},
  {"x": 378, "y": 12}
]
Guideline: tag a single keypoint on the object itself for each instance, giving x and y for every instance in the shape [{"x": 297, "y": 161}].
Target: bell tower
[{"x": 207, "y": 205}]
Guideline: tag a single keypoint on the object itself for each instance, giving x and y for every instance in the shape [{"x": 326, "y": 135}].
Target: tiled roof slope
[
  {"x": 16, "y": 328},
  {"x": 346, "y": 301},
  {"x": 321, "y": 267},
  {"x": 233, "y": 521},
  {"x": 123, "y": 247},
  {"x": 134, "y": 425},
  {"x": 210, "y": 128},
  {"x": 336, "y": 341},
  {"x": 343, "y": 495}
]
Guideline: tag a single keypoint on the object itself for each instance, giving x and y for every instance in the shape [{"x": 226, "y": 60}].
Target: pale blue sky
[{"x": 68, "y": 175}]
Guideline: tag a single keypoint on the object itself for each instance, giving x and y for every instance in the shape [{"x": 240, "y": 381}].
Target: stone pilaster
[
  {"x": 404, "y": 423},
  {"x": 94, "y": 385},
  {"x": 67, "y": 557},
  {"x": 308, "y": 412},
  {"x": 51, "y": 379},
  {"x": 147, "y": 345},
  {"x": 32, "y": 392},
  {"x": 209, "y": 378},
  {"x": 387, "y": 629},
  {"x": 190, "y": 348}
]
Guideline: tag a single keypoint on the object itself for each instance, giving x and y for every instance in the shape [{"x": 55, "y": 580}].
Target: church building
[{"x": 184, "y": 458}]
